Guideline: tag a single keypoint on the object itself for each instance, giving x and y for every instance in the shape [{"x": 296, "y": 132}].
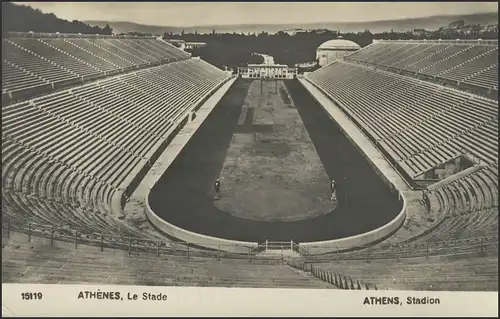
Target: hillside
[
  {"x": 429, "y": 23},
  {"x": 22, "y": 18}
]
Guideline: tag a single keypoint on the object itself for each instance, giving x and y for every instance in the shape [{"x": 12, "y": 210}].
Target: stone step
[{"x": 279, "y": 252}]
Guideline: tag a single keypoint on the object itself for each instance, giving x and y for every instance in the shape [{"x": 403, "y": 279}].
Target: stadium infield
[
  {"x": 183, "y": 195},
  {"x": 271, "y": 158}
]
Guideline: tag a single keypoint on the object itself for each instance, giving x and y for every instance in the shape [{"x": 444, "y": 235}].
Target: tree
[{"x": 107, "y": 30}]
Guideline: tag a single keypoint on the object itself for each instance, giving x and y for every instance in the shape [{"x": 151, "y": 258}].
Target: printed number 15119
[{"x": 31, "y": 295}]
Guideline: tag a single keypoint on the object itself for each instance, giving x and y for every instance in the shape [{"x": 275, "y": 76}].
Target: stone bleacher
[
  {"x": 40, "y": 262},
  {"x": 441, "y": 273},
  {"x": 471, "y": 63},
  {"x": 37, "y": 65},
  {"x": 466, "y": 221},
  {"x": 75, "y": 152},
  {"x": 458, "y": 253},
  {"x": 466, "y": 208},
  {"x": 419, "y": 124},
  {"x": 67, "y": 157}
]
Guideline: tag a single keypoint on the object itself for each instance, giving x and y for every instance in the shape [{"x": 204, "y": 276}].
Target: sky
[{"x": 224, "y": 13}]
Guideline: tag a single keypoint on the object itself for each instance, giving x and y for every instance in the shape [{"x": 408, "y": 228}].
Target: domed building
[{"x": 334, "y": 49}]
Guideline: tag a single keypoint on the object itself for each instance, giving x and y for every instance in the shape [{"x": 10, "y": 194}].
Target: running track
[{"x": 183, "y": 195}]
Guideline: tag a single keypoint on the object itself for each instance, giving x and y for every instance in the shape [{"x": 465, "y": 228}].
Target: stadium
[{"x": 111, "y": 146}]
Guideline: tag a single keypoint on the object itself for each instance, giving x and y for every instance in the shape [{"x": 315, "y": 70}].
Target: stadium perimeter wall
[
  {"x": 377, "y": 160},
  {"x": 171, "y": 152}
]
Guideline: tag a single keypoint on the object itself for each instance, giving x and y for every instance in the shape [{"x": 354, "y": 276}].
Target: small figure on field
[
  {"x": 333, "y": 189},
  {"x": 217, "y": 188}
]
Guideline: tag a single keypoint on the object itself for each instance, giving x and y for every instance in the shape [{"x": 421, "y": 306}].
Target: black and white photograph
[{"x": 272, "y": 147}]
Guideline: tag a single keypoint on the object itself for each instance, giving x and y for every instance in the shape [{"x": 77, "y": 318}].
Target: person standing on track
[
  {"x": 333, "y": 188},
  {"x": 217, "y": 188}
]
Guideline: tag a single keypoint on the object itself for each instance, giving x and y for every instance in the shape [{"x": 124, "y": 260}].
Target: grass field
[{"x": 272, "y": 162}]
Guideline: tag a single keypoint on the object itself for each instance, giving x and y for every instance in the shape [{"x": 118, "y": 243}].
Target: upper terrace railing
[
  {"x": 439, "y": 41},
  {"x": 70, "y": 35},
  {"x": 338, "y": 280},
  {"x": 191, "y": 249},
  {"x": 279, "y": 246}
]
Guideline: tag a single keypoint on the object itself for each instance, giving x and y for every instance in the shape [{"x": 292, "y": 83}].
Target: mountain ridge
[{"x": 399, "y": 25}]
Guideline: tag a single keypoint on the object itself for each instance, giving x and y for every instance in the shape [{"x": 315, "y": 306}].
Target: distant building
[
  {"x": 490, "y": 28},
  {"x": 334, "y": 50},
  {"x": 323, "y": 31},
  {"x": 306, "y": 64},
  {"x": 418, "y": 32},
  {"x": 294, "y": 31},
  {"x": 192, "y": 45},
  {"x": 183, "y": 45},
  {"x": 175, "y": 42},
  {"x": 264, "y": 71}
]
